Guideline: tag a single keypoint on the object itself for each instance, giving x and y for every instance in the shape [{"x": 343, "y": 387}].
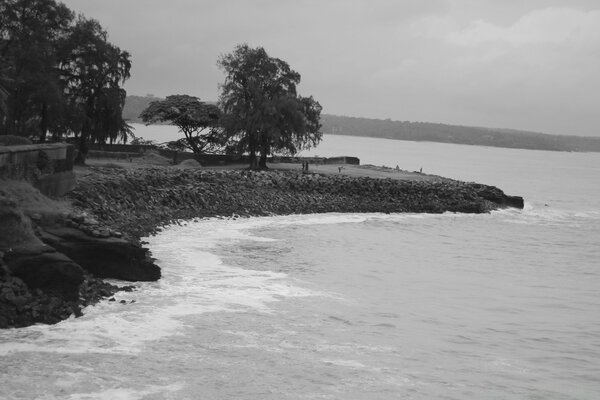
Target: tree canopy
[
  {"x": 92, "y": 70},
  {"x": 261, "y": 108},
  {"x": 59, "y": 74},
  {"x": 197, "y": 120}
]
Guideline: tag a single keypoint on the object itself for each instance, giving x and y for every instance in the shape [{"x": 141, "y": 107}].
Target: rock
[
  {"x": 36, "y": 217},
  {"x": 48, "y": 271},
  {"x": 104, "y": 257},
  {"x": 90, "y": 221},
  {"x": 103, "y": 233}
]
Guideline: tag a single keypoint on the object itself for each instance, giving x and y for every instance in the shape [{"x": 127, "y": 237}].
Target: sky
[{"x": 521, "y": 64}]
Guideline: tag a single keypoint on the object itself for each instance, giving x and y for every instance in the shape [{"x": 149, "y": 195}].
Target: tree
[
  {"x": 92, "y": 70},
  {"x": 30, "y": 93},
  {"x": 261, "y": 107},
  {"x": 198, "y": 121}
]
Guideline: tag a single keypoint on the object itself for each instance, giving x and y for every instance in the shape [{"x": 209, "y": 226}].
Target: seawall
[
  {"x": 49, "y": 167},
  {"x": 138, "y": 201}
]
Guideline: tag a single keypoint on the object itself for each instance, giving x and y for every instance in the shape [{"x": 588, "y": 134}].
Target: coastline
[
  {"x": 137, "y": 202},
  {"x": 112, "y": 207}
]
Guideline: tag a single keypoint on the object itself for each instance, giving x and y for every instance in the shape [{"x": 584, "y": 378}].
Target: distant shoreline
[{"x": 424, "y": 131}]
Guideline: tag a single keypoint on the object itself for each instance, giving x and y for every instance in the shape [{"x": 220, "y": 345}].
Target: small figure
[
  {"x": 397, "y": 167},
  {"x": 421, "y": 170}
]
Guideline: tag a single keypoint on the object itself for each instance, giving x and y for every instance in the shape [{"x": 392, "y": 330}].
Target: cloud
[
  {"x": 546, "y": 26},
  {"x": 494, "y": 63}
]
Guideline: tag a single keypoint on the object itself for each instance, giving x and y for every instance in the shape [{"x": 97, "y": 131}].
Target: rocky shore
[
  {"x": 137, "y": 202},
  {"x": 56, "y": 270}
]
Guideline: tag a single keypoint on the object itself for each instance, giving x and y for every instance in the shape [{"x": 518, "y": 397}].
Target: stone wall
[
  {"x": 136, "y": 202},
  {"x": 49, "y": 167},
  {"x": 126, "y": 151}
]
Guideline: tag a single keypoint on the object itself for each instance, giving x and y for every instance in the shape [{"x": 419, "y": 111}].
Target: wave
[{"x": 194, "y": 282}]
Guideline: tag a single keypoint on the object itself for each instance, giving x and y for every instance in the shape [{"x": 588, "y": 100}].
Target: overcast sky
[{"x": 523, "y": 64}]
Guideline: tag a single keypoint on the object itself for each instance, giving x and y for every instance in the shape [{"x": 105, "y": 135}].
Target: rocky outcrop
[
  {"x": 47, "y": 282},
  {"x": 107, "y": 257},
  {"x": 497, "y": 196},
  {"x": 42, "y": 267},
  {"x": 136, "y": 202},
  {"x": 39, "y": 284}
]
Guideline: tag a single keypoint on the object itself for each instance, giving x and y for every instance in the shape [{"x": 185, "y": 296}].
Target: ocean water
[{"x": 353, "y": 306}]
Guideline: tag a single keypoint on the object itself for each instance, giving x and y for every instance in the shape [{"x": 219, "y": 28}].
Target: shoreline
[
  {"x": 114, "y": 206},
  {"x": 138, "y": 201}
]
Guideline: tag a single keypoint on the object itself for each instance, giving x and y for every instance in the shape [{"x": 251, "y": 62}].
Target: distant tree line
[
  {"x": 433, "y": 132},
  {"x": 59, "y": 75},
  {"x": 424, "y": 131}
]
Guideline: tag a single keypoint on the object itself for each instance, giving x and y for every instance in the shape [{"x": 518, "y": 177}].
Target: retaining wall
[{"x": 49, "y": 167}]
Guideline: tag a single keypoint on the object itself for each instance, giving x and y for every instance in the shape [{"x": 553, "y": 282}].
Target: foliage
[
  {"x": 138, "y": 140},
  {"x": 443, "y": 133},
  {"x": 262, "y": 111},
  {"x": 92, "y": 70},
  {"x": 59, "y": 74},
  {"x": 198, "y": 121},
  {"x": 29, "y": 35},
  {"x": 12, "y": 140}
]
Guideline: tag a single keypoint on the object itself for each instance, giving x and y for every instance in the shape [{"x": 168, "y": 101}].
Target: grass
[{"x": 30, "y": 201}]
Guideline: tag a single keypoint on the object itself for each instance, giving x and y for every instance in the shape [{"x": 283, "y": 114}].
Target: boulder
[
  {"x": 45, "y": 269},
  {"x": 497, "y": 196},
  {"x": 104, "y": 257}
]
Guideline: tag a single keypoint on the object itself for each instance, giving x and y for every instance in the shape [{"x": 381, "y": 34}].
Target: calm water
[{"x": 353, "y": 306}]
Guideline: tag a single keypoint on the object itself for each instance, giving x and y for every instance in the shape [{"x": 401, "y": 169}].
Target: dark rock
[
  {"x": 48, "y": 271},
  {"x": 103, "y": 257}
]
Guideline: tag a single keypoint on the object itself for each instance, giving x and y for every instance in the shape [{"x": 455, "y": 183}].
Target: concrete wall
[
  {"x": 125, "y": 151},
  {"x": 49, "y": 167}
]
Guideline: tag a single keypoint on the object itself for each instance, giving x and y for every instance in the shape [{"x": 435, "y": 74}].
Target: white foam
[
  {"x": 127, "y": 394},
  {"x": 194, "y": 282},
  {"x": 345, "y": 363}
]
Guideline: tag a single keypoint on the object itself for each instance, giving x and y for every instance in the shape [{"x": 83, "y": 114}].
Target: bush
[{"x": 11, "y": 140}]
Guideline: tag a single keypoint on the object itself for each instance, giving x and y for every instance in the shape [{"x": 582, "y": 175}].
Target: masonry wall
[{"x": 49, "y": 167}]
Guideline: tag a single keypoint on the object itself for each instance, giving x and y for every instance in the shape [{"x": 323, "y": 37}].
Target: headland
[{"x": 54, "y": 252}]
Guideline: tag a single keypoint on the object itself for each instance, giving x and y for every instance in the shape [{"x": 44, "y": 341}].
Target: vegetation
[
  {"x": 262, "y": 112},
  {"x": 425, "y": 131},
  {"x": 431, "y": 132},
  {"x": 198, "y": 121},
  {"x": 59, "y": 75}
]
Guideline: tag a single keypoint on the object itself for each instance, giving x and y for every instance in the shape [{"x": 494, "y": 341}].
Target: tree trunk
[
  {"x": 262, "y": 163},
  {"x": 83, "y": 148},
  {"x": 253, "y": 160},
  {"x": 43, "y": 123},
  {"x": 252, "y": 152}
]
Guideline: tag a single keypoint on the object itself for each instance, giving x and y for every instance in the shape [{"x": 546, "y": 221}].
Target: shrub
[{"x": 11, "y": 140}]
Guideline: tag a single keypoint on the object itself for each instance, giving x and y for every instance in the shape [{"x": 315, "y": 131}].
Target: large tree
[
  {"x": 30, "y": 32},
  {"x": 198, "y": 121},
  {"x": 92, "y": 71},
  {"x": 59, "y": 74},
  {"x": 262, "y": 109}
]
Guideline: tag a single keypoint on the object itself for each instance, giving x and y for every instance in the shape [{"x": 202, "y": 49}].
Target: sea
[{"x": 503, "y": 305}]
